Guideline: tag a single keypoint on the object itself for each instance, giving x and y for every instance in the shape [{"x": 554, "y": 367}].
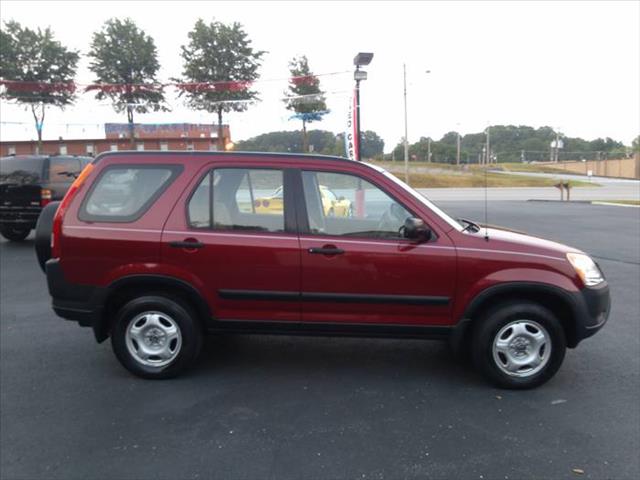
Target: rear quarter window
[
  {"x": 123, "y": 193},
  {"x": 64, "y": 169}
]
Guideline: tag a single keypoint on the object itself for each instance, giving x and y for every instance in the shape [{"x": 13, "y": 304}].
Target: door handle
[
  {"x": 326, "y": 250},
  {"x": 189, "y": 244}
]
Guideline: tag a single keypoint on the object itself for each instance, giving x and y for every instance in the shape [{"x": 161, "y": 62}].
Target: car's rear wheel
[
  {"x": 156, "y": 337},
  {"x": 44, "y": 229},
  {"x": 14, "y": 234},
  {"x": 518, "y": 345}
]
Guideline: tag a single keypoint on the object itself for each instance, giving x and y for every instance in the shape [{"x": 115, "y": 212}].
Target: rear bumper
[
  {"x": 79, "y": 303},
  {"x": 593, "y": 306},
  {"x": 19, "y": 217}
]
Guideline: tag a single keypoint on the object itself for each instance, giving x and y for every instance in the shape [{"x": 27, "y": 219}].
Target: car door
[
  {"x": 357, "y": 267},
  {"x": 236, "y": 246}
]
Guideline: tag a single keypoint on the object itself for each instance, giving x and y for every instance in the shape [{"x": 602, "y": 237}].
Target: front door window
[{"x": 346, "y": 205}]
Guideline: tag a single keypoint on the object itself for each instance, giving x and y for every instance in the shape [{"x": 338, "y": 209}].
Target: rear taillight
[
  {"x": 45, "y": 197},
  {"x": 265, "y": 203},
  {"x": 56, "y": 232}
]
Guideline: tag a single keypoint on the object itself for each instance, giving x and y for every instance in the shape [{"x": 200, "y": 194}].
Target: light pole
[{"x": 360, "y": 60}]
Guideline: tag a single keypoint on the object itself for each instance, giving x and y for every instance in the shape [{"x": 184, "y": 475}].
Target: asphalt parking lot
[{"x": 318, "y": 408}]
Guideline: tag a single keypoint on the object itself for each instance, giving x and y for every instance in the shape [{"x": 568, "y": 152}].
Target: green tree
[
  {"x": 125, "y": 60},
  {"x": 635, "y": 145},
  {"x": 220, "y": 53},
  {"x": 372, "y": 145},
  {"x": 304, "y": 96},
  {"x": 41, "y": 67}
]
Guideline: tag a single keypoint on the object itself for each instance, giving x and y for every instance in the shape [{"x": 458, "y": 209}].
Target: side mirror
[{"x": 415, "y": 229}]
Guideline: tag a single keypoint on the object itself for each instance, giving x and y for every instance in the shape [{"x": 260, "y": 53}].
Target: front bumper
[
  {"x": 593, "y": 305},
  {"x": 79, "y": 303}
]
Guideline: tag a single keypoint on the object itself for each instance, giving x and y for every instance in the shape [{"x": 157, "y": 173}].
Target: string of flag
[{"x": 19, "y": 86}]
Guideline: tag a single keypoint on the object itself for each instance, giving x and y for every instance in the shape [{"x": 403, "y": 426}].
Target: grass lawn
[
  {"x": 425, "y": 175},
  {"x": 531, "y": 167}
]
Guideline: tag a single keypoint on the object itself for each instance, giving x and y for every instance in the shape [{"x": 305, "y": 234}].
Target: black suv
[{"x": 27, "y": 184}]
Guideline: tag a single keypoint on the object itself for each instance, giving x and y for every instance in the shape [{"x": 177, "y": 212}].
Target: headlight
[{"x": 586, "y": 269}]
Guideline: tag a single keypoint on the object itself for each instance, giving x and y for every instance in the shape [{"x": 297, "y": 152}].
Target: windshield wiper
[{"x": 471, "y": 226}]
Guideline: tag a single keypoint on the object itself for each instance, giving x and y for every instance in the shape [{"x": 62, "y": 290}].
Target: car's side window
[
  {"x": 124, "y": 193},
  {"x": 239, "y": 199},
  {"x": 64, "y": 169},
  {"x": 347, "y": 205}
]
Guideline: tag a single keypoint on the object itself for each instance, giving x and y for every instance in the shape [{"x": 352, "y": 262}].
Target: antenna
[
  {"x": 486, "y": 167},
  {"x": 486, "y": 221}
]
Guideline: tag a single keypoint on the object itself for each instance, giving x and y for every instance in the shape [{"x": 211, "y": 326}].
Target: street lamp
[{"x": 360, "y": 60}]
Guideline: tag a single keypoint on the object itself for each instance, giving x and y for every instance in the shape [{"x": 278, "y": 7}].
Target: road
[
  {"x": 318, "y": 408},
  {"x": 570, "y": 176},
  {"x": 611, "y": 191}
]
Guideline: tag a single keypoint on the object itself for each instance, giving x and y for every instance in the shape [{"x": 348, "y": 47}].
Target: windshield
[
  {"x": 20, "y": 170},
  {"x": 418, "y": 196}
]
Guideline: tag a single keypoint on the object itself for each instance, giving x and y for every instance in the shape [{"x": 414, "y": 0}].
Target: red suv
[{"x": 155, "y": 249}]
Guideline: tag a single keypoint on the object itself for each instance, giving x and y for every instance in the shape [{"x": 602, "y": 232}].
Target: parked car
[
  {"x": 176, "y": 254},
  {"x": 28, "y": 183},
  {"x": 331, "y": 203}
]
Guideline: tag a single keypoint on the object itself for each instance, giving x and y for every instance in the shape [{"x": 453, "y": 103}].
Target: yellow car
[{"x": 332, "y": 205}]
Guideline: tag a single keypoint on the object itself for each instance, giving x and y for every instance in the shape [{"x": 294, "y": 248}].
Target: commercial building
[{"x": 173, "y": 136}]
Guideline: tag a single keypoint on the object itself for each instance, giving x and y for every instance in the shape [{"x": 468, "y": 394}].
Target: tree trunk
[
  {"x": 305, "y": 139},
  {"x": 132, "y": 140},
  {"x": 39, "y": 121},
  {"x": 220, "y": 131}
]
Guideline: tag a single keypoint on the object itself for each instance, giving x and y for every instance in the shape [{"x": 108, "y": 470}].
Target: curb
[{"x": 613, "y": 204}]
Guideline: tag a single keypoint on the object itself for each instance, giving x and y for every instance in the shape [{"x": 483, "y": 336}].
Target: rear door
[
  {"x": 357, "y": 267},
  {"x": 233, "y": 237}
]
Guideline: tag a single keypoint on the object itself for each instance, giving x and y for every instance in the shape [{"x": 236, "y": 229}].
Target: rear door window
[
  {"x": 124, "y": 193},
  {"x": 239, "y": 199}
]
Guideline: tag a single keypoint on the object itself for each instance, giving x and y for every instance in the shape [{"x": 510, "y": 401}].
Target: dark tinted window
[
  {"x": 21, "y": 170},
  {"x": 243, "y": 199},
  {"x": 64, "y": 169},
  {"x": 124, "y": 193}
]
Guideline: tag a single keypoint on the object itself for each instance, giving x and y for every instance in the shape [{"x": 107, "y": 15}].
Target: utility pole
[
  {"x": 458, "y": 150},
  {"x": 429, "y": 150},
  {"x": 488, "y": 156},
  {"x": 406, "y": 139},
  {"x": 556, "y": 146}
]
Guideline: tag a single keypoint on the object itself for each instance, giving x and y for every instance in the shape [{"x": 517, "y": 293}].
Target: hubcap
[
  {"x": 522, "y": 348},
  {"x": 153, "y": 339}
]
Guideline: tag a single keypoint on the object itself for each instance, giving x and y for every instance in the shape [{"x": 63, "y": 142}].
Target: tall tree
[
  {"x": 304, "y": 96},
  {"x": 125, "y": 62},
  {"x": 36, "y": 70},
  {"x": 219, "y": 65}
]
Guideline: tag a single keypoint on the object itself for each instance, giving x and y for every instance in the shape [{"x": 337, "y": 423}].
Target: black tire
[
  {"x": 44, "y": 229},
  {"x": 181, "y": 314},
  {"x": 14, "y": 234},
  {"x": 491, "y": 324}
]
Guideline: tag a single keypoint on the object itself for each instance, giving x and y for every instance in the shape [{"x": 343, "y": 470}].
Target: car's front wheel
[
  {"x": 518, "y": 345},
  {"x": 156, "y": 336},
  {"x": 14, "y": 234}
]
